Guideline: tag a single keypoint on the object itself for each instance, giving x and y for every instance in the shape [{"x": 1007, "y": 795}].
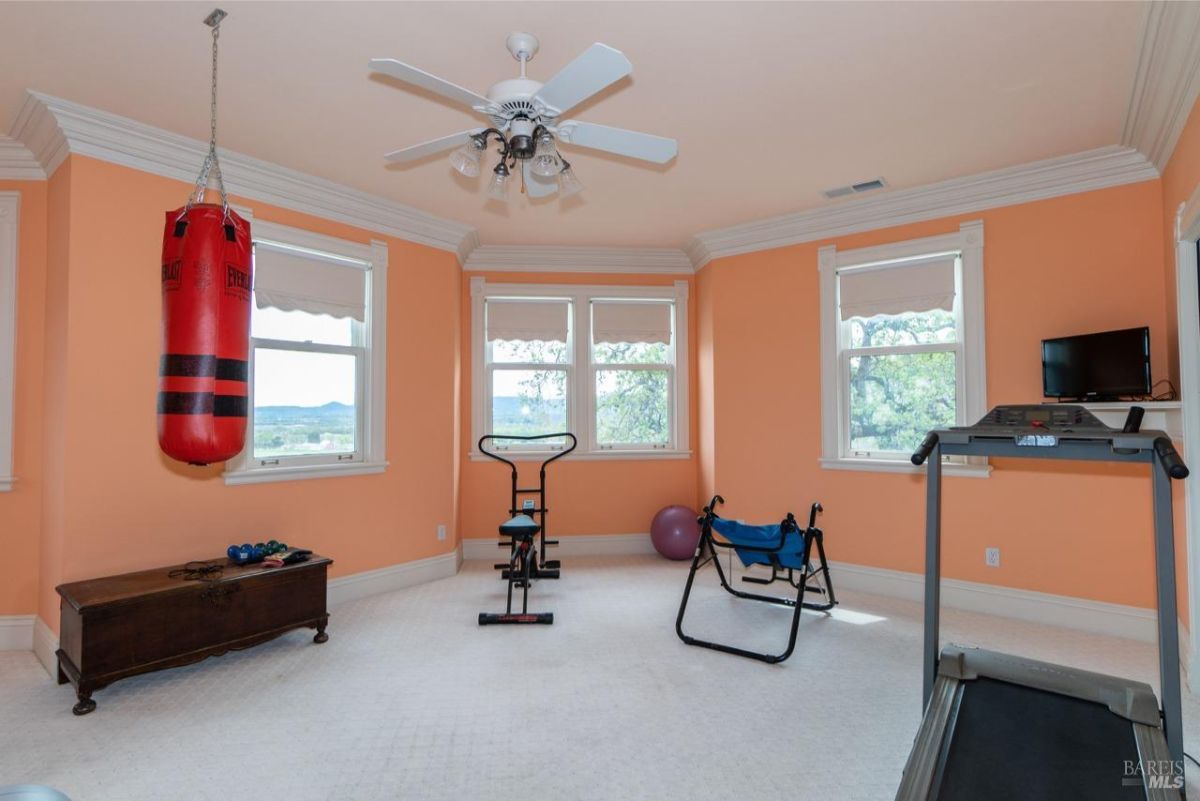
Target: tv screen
[{"x": 1107, "y": 365}]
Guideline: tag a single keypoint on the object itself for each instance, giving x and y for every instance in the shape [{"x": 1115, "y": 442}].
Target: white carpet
[{"x": 410, "y": 699}]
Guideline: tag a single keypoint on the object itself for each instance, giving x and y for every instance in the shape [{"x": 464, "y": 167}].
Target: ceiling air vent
[{"x": 855, "y": 189}]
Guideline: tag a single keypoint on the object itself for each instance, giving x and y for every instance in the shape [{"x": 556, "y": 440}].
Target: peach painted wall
[
  {"x": 1180, "y": 179},
  {"x": 1084, "y": 262},
  {"x": 584, "y": 497},
  {"x": 21, "y": 509},
  {"x": 122, "y": 505},
  {"x": 705, "y": 411}
]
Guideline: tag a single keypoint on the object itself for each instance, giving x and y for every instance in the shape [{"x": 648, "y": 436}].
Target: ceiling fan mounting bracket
[{"x": 523, "y": 46}]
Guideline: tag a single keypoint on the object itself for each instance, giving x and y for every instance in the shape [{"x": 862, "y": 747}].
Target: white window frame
[
  {"x": 970, "y": 362},
  {"x": 369, "y": 347},
  {"x": 581, "y": 370},
  {"x": 10, "y": 210}
]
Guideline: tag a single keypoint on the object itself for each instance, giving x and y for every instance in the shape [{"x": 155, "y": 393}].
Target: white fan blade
[
  {"x": 647, "y": 147},
  {"x": 429, "y": 148},
  {"x": 592, "y": 70},
  {"x": 536, "y": 185},
  {"x": 410, "y": 74}
]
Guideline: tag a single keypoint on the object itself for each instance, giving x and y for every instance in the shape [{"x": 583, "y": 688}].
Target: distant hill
[{"x": 296, "y": 415}]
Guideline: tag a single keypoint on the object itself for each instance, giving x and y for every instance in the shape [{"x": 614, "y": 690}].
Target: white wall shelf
[{"x": 1162, "y": 415}]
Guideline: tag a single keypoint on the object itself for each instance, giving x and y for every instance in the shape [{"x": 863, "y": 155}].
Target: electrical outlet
[
  {"x": 442, "y": 531},
  {"x": 992, "y": 557}
]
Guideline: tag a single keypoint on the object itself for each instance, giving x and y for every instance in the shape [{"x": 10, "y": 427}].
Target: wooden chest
[{"x": 120, "y": 626}]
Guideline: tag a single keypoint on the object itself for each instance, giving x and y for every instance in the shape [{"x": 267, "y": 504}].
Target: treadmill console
[{"x": 1036, "y": 425}]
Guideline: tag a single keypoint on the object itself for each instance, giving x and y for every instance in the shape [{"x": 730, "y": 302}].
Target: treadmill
[{"x": 999, "y": 726}]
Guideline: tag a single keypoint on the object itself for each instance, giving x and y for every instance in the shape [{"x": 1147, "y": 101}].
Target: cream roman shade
[
  {"x": 527, "y": 320},
  {"x": 294, "y": 280},
  {"x": 631, "y": 322},
  {"x": 915, "y": 286}
]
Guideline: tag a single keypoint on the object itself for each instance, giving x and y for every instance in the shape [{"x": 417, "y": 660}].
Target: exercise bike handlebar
[
  {"x": 500, "y": 458},
  {"x": 925, "y": 448},
  {"x": 1170, "y": 458}
]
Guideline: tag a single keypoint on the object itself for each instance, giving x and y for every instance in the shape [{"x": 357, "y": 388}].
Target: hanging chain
[{"x": 212, "y": 162}]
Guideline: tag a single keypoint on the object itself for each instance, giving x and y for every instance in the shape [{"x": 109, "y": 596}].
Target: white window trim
[
  {"x": 373, "y": 444},
  {"x": 968, "y": 242},
  {"x": 10, "y": 209},
  {"x": 580, "y": 417}
]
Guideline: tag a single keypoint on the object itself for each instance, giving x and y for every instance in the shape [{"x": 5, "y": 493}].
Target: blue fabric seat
[
  {"x": 765, "y": 541},
  {"x": 795, "y": 555}
]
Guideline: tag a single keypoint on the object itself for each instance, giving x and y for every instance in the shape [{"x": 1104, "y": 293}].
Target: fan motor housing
[{"x": 520, "y": 140}]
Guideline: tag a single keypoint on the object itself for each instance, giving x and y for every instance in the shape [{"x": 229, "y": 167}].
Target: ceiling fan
[{"x": 524, "y": 116}]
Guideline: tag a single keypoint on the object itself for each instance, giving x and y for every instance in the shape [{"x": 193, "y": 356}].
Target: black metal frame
[
  {"x": 526, "y": 560},
  {"x": 541, "y": 511},
  {"x": 706, "y": 552},
  {"x": 510, "y": 153}
]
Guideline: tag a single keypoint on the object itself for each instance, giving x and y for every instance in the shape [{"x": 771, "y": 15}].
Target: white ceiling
[{"x": 771, "y": 102}]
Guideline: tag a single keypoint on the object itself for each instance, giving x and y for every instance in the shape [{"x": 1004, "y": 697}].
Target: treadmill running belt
[{"x": 1011, "y": 742}]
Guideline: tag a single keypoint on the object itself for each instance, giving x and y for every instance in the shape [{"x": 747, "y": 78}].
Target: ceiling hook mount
[{"x": 214, "y": 19}]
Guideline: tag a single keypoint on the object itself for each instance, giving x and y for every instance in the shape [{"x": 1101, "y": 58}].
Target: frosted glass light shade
[
  {"x": 466, "y": 158},
  {"x": 546, "y": 161},
  {"x": 568, "y": 183},
  {"x": 498, "y": 188}
]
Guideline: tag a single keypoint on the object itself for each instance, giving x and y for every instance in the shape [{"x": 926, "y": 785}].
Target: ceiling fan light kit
[{"x": 524, "y": 116}]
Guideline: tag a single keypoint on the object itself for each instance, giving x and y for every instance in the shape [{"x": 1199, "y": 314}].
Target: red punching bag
[{"x": 206, "y": 281}]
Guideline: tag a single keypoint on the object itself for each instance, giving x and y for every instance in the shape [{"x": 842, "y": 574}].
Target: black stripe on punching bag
[
  {"x": 232, "y": 370},
  {"x": 203, "y": 366},
  {"x": 187, "y": 365},
  {"x": 229, "y": 406},
  {"x": 185, "y": 403}
]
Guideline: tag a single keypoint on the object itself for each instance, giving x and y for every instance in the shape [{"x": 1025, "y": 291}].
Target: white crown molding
[
  {"x": 17, "y": 162},
  {"x": 1167, "y": 80},
  {"x": 52, "y": 128},
  {"x": 510, "y": 258},
  {"x": 1065, "y": 175}
]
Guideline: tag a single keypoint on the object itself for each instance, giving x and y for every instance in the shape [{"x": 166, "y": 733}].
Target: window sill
[
  {"x": 6, "y": 483},
  {"x": 899, "y": 466},
  {"x": 578, "y": 456},
  {"x": 302, "y": 472}
]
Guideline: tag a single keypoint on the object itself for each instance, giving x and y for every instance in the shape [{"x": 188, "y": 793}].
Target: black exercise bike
[{"x": 525, "y": 534}]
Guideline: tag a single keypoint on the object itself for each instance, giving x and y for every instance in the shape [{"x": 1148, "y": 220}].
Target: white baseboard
[
  {"x": 1118, "y": 620},
  {"x": 16, "y": 632},
  {"x": 393, "y": 577},
  {"x": 45, "y": 645},
  {"x": 574, "y": 545}
]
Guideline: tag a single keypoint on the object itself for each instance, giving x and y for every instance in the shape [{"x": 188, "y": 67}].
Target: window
[
  {"x": 316, "y": 358},
  {"x": 10, "y": 204},
  {"x": 608, "y": 364},
  {"x": 902, "y": 348}
]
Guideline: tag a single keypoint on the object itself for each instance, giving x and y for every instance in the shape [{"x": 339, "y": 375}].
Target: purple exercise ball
[{"x": 675, "y": 532}]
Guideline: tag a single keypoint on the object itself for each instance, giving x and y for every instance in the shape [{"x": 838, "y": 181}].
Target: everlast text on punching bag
[{"x": 206, "y": 281}]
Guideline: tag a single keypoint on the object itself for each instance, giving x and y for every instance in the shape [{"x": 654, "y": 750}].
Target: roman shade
[
  {"x": 915, "y": 286},
  {"x": 527, "y": 320},
  {"x": 631, "y": 322},
  {"x": 295, "y": 280}
]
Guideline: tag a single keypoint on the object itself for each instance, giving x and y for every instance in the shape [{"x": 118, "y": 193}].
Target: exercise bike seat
[{"x": 520, "y": 528}]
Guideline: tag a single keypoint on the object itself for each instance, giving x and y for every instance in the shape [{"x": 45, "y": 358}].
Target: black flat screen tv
[{"x": 1105, "y": 366}]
